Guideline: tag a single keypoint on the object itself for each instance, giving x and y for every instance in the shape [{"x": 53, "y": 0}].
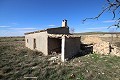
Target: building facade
[{"x": 51, "y": 40}]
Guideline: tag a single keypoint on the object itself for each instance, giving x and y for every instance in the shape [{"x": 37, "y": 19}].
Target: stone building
[{"x": 51, "y": 40}]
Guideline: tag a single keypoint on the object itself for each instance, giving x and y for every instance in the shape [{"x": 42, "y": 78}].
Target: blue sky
[{"x": 20, "y": 16}]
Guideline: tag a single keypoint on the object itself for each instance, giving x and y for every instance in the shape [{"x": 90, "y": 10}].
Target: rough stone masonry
[{"x": 100, "y": 46}]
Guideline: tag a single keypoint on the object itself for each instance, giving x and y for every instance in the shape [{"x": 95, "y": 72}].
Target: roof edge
[
  {"x": 43, "y": 30},
  {"x": 36, "y": 31}
]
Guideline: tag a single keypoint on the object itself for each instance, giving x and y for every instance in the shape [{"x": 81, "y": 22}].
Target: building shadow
[{"x": 85, "y": 49}]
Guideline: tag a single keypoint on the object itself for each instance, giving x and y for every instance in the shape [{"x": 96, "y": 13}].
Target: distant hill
[
  {"x": 12, "y": 36},
  {"x": 92, "y": 33}
]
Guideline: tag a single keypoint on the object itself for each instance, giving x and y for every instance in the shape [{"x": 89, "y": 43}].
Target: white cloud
[
  {"x": 16, "y": 31},
  {"x": 51, "y": 25},
  {"x": 109, "y": 21},
  {"x": 97, "y": 28},
  {"x": 4, "y": 33},
  {"x": 4, "y": 26},
  {"x": 23, "y": 28}
]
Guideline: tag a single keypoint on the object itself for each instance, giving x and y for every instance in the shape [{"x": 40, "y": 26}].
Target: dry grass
[
  {"x": 20, "y": 63},
  {"x": 11, "y": 39}
]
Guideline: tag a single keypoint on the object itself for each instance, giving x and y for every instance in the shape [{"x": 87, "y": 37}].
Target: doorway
[
  {"x": 34, "y": 43},
  {"x": 54, "y": 45}
]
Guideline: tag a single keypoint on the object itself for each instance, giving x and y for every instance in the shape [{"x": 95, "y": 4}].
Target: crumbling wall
[
  {"x": 100, "y": 45},
  {"x": 115, "y": 50},
  {"x": 91, "y": 39},
  {"x": 101, "y": 48}
]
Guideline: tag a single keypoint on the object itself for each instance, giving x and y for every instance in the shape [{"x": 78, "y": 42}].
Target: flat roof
[
  {"x": 35, "y": 32},
  {"x": 42, "y": 30}
]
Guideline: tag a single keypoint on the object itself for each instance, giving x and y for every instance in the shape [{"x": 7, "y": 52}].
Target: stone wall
[
  {"x": 115, "y": 50},
  {"x": 100, "y": 45},
  {"x": 102, "y": 48},
  {"x": 91, "y": 39}
]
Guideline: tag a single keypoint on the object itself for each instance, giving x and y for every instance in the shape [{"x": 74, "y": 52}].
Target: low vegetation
[
  {"x": 20, "y": 63},
  {"x": 11, "y": 39}
]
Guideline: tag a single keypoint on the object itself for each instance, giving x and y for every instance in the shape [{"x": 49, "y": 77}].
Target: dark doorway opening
[
  {"x": 54, "y": 46},
  {"x": 85, "y": 49},
  {"x": 34, "y": 43}
]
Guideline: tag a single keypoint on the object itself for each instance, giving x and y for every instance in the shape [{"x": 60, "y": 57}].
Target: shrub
[{"x": 7, "y": 69}]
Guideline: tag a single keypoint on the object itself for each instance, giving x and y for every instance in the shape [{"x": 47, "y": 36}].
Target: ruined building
[{"x": 51, "y": 40}]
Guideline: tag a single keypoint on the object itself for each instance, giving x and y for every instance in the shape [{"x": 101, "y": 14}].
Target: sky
[{"x": 20, "y": 16}]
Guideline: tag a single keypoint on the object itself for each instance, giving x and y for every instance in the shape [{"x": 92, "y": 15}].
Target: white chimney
[{"x": 64, "y": 23}]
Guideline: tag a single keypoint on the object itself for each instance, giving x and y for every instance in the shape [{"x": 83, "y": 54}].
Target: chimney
[{"x": 64, "y": 23}]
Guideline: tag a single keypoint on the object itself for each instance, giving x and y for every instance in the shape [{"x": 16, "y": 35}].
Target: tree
[
  {"x": 72, "y": 30},
  {"x": 112, "y": 6}
]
